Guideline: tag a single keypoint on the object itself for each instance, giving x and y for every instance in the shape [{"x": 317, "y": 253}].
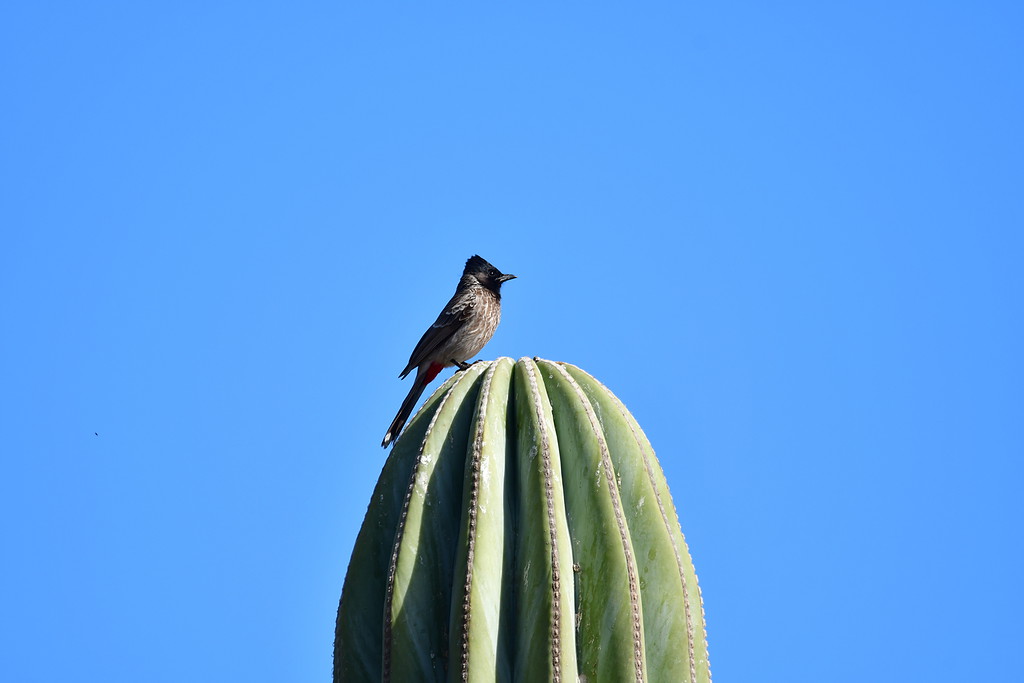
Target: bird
[{"x": 465, "y": 325}]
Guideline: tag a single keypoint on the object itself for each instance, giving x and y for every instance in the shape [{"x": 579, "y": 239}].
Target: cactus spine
[{"x": 521, "y": 530}]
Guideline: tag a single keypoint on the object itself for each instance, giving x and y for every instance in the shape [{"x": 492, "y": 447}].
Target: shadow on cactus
[{"x": 521, "y": 530}]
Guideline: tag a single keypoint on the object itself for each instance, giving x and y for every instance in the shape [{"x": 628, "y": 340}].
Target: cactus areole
[{"x": 521, "y": 530}]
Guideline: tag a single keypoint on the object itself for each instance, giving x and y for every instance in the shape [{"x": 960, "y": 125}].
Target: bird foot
[{"x": 463, "y": 365}]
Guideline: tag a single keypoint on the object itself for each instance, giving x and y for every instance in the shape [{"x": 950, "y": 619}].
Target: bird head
[{"x": 486, "y": 274}]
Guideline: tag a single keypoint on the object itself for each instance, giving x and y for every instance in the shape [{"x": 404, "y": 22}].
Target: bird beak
[{"x": 506, "y": 278}]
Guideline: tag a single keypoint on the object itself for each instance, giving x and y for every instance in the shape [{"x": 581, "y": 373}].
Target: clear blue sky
[{"x": 788, "y": 235}]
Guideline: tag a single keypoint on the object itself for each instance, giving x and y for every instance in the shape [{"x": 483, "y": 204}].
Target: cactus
[{"x": 521, "y": 530}]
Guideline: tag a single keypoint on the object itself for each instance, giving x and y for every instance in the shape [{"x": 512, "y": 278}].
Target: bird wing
[{"x": 451, "y": 319}]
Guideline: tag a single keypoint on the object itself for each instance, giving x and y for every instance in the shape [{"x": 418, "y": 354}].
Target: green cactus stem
[{"x": 521, "y": 530}]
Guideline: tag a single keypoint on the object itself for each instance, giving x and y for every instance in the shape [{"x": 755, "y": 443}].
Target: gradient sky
[{"x": 789, "y": 236}]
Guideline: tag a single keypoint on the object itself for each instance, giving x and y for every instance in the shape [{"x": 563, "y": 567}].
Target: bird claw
[{"x": 463, "y": 365}]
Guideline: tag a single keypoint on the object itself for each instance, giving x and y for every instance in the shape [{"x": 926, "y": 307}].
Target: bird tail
[{"x": 415, "y": 391}]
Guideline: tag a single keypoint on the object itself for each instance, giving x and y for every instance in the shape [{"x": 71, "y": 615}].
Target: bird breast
[{"x": 478, "y": 328}]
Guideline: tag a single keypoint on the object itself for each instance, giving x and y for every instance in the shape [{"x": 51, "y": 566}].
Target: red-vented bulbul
[{"x": 467, "y": 323}]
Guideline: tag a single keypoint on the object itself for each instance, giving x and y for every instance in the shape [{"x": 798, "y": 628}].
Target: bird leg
[{"x": 463, "y": 365}]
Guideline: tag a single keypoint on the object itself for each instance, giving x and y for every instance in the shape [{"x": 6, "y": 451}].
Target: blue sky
[{"x": 788, "y": 237}]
